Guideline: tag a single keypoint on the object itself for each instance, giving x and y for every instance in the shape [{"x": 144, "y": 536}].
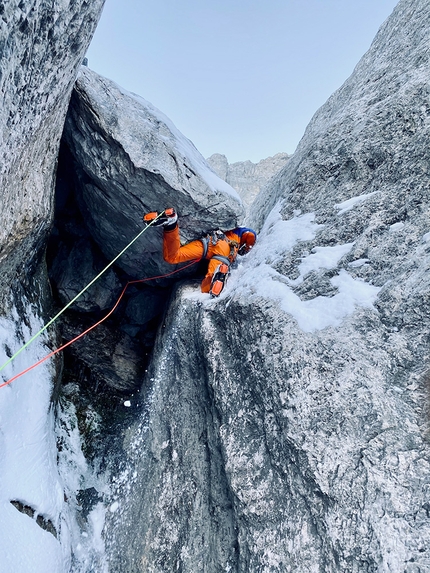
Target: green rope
[{"x": 78, "y": 295}]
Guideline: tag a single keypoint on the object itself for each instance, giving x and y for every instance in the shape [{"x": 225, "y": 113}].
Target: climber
[{"x": 219, "y": 248}]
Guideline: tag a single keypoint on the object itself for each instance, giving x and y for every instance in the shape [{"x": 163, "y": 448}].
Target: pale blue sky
[{"x": 239, "y": 77}]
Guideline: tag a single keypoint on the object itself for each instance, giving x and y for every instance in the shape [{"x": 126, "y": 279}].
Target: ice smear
[
  {"x": 28, "y": 470},
  {"x": 97, "y": 520},
  {"x": 85, "y": 535}
]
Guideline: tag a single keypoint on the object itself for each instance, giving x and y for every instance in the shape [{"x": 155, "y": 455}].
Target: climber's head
[{"x": 247, "y": 241}]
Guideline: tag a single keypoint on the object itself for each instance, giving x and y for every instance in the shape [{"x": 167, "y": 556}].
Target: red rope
[{"x": 97, "y": 323}]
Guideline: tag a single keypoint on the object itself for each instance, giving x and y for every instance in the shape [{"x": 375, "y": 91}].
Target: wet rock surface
[{"x": 295, "y": 434}]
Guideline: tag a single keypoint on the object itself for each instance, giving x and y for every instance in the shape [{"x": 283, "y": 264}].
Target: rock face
[
  {"x": 295, "y": 435},
  {"x": 42, "y": 44},
  {"x": 246, "y": 177},
  {"x": 130, "y": 160}
]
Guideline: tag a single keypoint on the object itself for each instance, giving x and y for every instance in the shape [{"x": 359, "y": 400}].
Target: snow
[
  {"x": 24, "y": 546},
  {"x": 351, "y": 203},
  {"x": 324, "y": 257},
  {"x": 258, "y": 277},
  {"x": 114, "y": 507},
  {"x": 28, "y": 470},
  {"x": 358, "y": 263},
  {"x": 35, "y": 474}
]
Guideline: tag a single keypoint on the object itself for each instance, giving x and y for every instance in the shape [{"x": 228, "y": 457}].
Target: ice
[
  {"x": 257, "y": 277},
  {"x": 28, "y": 470}
]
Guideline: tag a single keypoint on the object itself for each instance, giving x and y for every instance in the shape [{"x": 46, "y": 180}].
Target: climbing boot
[
  {"x": 219, "y": 280},
  {"x": 168, "y": 218}
]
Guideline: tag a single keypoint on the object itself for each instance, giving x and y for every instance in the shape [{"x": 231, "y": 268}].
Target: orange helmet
[{"x": 247, "y": 241}]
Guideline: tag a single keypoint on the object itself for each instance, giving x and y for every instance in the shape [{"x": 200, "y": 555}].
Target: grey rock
[
  {"x": 145, "y": 306},
  {"x": 113, "y": 358},
  {"x": 73, "y": 269},
  {"x": 175, "y": 494},
  {"x": 42, "y": 43},
  {"x": 132, "y": 160},
  {"x": 294, "y": 437},
  {"x": 246, "y": 177},
  {"x": 41, "y": 48}
]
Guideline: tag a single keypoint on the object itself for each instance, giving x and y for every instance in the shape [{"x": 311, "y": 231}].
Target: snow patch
[
  {"x": 324, "y": 258},
  {"x": 358, "y": 263},
  {"x": 351, "y": 203},
  {"x": 256, "y": 277},
  {"x": 396, "y": 227}
]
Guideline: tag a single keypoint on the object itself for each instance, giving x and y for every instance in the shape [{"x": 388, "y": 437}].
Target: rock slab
[
  {"x": 131, "y": 159},
  {"x": 42, "y": 44}
]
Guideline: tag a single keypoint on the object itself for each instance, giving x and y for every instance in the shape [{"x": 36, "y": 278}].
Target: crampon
[{"x": 219, "y": 280}]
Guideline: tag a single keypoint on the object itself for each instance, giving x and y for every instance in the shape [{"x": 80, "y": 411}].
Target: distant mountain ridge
[{"x": 245, "y": 177}]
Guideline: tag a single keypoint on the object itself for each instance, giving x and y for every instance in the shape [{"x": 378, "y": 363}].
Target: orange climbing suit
[{"x": 174, "y": 252}]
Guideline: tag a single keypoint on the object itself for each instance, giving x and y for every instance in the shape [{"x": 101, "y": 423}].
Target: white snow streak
[{"x": 258, "y": 277}]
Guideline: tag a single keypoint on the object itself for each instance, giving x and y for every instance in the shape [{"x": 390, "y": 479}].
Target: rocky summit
[{"x": 282, "y": 427}]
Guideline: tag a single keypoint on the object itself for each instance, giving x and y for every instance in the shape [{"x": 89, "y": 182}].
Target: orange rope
[{"x": 97, "y": 323}]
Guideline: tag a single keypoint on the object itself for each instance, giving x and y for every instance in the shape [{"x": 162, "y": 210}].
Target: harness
[{"x": 212, "y": 239}]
